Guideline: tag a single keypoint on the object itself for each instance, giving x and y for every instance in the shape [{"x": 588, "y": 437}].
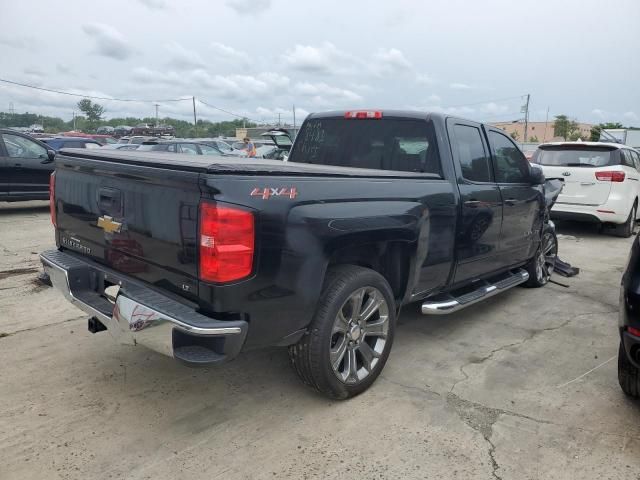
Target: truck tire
[
  {"x": 625, "y": 230},
  {"x": 349, "y": 339},
  {"x": 541, "y": 266},
  {"x": 628, "y": 375}
]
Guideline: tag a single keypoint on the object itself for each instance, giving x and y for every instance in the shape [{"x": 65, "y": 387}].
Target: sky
[{"x": 259, "y": 58}]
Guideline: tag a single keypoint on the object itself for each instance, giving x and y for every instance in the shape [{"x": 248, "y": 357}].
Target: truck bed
[{"x": 232, "y": 165}]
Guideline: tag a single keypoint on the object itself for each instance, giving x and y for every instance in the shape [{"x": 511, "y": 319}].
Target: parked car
[
  {"x": 629, "y": 325},
  {"x": 56, "y": 143},
  {"x": 183, "y": 146},
  {"x": 282, "y": 140},
  {"x": 25, "y": 167},
  {"x": 121, "y": 130},
  {"x": 122, "y": 146},
  {"x": 374, "y": 210},
  {"x": 106, "y": 130},
  {"x": 223, "y": 147},
  {"x": 602, "y": 182}
]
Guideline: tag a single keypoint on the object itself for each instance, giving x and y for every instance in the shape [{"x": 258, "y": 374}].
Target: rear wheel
[
  {"x": 541, "y": 266},
  {"x": 350, "y": 336},
  {"x": 628, "y": 375},
  {"x": 626, "y": 229}
]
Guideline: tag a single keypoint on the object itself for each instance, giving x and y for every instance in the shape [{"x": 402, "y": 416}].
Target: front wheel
[
  {"x": 350, "y": 336},
  {"x": 541, "y": 266}
]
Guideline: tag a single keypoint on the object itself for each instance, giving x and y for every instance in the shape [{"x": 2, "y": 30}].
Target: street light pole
[{"x": 526, "y": 117}]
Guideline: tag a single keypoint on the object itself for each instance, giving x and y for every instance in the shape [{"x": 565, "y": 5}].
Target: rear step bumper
[
  {"x": 446, "y": 303},
  {"x": 141, "y": 315}
]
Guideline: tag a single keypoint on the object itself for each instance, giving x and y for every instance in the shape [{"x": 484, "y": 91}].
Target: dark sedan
[
  {"x": 57, "y": 143},
  {"x": 25, "y": 167},
  {"x": 629, "y": 325}
]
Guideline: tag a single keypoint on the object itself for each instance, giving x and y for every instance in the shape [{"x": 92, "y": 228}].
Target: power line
[
  {"x": 90, "y": 96},
  {"x": 226, "y": 111}
]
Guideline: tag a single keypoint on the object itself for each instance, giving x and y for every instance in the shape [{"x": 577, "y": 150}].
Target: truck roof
[
  {"x": 611, "y": 145},
  {"x": 417, "y": 114}
]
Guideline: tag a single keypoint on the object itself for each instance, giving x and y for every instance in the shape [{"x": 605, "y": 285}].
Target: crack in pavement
[
  {"x": 5, "y": 334},
  {"x": 427, "y": 388},
  {"x": 533, "y": 334}
]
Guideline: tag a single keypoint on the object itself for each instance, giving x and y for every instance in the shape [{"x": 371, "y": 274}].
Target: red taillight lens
[
  {"x": 634, "y": 331},
  {"x": 610, "y": 176},
  {"x": 375, "y": 114},
  {"x": 52, "y": 198},
  {"x": 226, "y": 243}
]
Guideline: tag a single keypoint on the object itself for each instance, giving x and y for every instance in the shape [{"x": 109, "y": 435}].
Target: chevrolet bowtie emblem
[{"x": 108, "y": 224}]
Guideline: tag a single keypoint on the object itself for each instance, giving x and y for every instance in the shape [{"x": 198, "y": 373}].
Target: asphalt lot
[{"x": 522, "y": 386}]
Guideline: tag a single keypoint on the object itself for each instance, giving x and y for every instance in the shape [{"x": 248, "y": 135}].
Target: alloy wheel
[{"x": 359, "y": 335}]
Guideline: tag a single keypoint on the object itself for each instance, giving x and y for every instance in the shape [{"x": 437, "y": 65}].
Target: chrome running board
[{"x": 445, "y": 303}]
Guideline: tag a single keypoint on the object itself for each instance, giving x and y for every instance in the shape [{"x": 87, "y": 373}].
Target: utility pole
[
  {"x": 195, "y": 119},
  {"x": 279, "y": 119},
  {"x": 546, "y": 120},
  {"x": 526, "y": 117},
  {"x": 74, "y": 120},
  {"x": 294, "y": 121},
  {"x": 11, "y": 110},
  {"x": 156, "y": 105}
]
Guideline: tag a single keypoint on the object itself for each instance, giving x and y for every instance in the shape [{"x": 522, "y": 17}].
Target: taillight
[
  {"x": 52, "y": 198},
  {"x": 375, "y": 114},
  {"x": 226, "y": 243},
  {"x": 610, "y": 176},
  {"x": 634, "y": 331}
]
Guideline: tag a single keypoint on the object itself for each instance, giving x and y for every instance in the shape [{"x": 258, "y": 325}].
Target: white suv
[{"x": 601, "y": 182}]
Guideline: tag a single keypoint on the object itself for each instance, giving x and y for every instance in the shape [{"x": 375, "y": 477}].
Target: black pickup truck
[{"x": 200, "y": 258}]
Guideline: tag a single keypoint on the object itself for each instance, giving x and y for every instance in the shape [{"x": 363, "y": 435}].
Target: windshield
[
  {"x": 574, "y": 157},
  {"x": 406, "y": 145}
]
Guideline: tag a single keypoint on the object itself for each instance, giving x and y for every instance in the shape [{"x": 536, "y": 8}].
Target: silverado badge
[{"x": 108, "y": 224}]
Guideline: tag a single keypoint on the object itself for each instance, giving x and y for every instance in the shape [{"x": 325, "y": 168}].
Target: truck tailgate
[{"x": 137, "y": 219}]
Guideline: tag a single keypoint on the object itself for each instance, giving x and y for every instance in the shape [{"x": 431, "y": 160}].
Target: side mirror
[
  {"x": 536, "y": 175},
  {"x": 51, "y": 155}
]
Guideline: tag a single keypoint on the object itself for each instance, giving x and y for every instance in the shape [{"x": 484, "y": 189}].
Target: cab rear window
[
  {"x": 576, "y": 157},
  {"x": 405, "y": 145}
]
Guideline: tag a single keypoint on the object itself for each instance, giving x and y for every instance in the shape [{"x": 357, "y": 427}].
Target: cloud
[
  {"x": 434, "y": 98},
  {"x": 239, "y": 87},
  {"x": 34, "y": 72},
  {"x": 154, "y": 4},
  {"x": 494, "y": 108},
  {"x": 20, "y": 43},
  {"x": 632, "y": 116},
  {"x": 324, "y": 95},
  {"x": 460, "y": 86},
  {"x": 109, "y": 41},
  {"x": 599, "y": 113},
  {"x": 324, "y": 59},
  {"x": 227, "y": 52},
  {"x": 183, "y": 58},
  {"x": 424, "y": 79},
  {"x": 249, "y": 7},
  {"x": 63, "y": 69},
  {"x": 390, "y": 61}
]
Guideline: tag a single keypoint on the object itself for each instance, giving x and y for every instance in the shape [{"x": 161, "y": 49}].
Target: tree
[
  {"x": 93, "y": 111},
  {"x": 565, "y": 128},
  {"x": 534, "y": 139},
  {"x": 596, "y": 130},
  {"x": 514, "y": 135}
]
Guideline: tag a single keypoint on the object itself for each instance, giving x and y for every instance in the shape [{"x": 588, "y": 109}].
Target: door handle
[
  {"x": 472, "y": 203},
  {"x": 17, "y": 165},
  {"x": 511, "y": 201}
]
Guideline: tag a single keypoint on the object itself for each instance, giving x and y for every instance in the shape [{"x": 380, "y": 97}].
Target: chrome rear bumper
[{"x": 143, "y": 316}]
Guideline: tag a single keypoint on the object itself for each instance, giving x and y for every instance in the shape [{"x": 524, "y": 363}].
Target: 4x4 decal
[{"x": 267, "y": 193}]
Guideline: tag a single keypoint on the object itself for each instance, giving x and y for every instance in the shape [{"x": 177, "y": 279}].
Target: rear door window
[
  {"x": 406, "y": 145},
  {"x": 189, "y": 148},
  {"x": 509, "y": 162},
  {"x": 473, "y": 158}
]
